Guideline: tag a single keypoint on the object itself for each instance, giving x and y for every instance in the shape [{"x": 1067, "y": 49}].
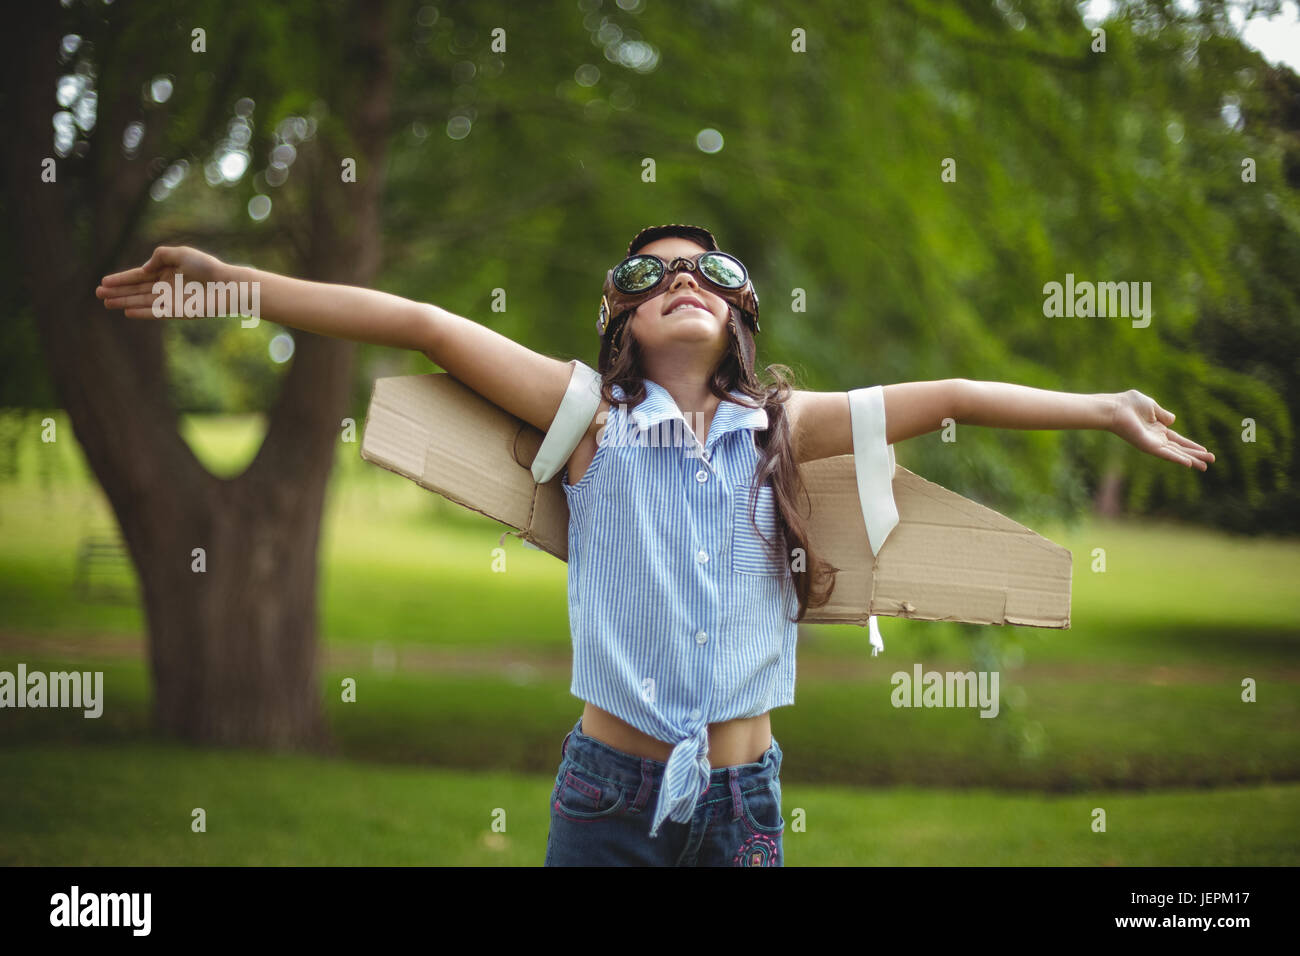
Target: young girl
[{"x": 685, "y": 504}]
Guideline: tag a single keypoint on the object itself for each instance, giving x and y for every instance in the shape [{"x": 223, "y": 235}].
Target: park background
[{"x": 811, "y": 138}]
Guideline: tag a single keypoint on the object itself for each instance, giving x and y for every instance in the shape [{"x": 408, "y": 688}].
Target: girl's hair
[{"x": 815, "y": 580}]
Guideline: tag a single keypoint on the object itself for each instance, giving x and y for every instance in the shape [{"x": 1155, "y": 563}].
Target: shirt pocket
[{"x": 750, "y": 554}]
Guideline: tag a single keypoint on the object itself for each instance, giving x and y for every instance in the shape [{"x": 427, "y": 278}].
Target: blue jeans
[{"x": 604, "y": 799}]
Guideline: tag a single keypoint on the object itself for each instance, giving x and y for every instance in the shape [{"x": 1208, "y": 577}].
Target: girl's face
[{"x": 686, "y": 312}]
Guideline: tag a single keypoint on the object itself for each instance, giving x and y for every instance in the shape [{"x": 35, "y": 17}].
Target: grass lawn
[
  {"x": 84, "y": 806},
  {"x": 1060, "y": 735},
  {"x": 403, "y": 566},
  {"x": 1143, "y": 691}
]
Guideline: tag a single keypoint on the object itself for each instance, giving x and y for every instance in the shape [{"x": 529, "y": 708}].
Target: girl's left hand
[{"x": 1142, "y": 423}]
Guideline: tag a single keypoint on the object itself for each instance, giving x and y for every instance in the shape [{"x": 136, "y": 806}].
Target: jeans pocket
[
  {"x": 762, "y": 807},
  {"x": 583, "y": 796}
]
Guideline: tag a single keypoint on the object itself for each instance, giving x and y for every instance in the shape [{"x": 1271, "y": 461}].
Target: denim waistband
[{"x": 641, "y": 777}]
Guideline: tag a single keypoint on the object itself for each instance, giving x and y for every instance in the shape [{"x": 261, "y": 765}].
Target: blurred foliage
[{"x": 523, "y": 170}]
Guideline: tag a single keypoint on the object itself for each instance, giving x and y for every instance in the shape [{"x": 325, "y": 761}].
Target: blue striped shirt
[{"x": 679, "y": 614}]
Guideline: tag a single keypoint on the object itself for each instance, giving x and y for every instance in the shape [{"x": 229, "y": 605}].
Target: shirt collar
[{"x": 658, "y": 406}]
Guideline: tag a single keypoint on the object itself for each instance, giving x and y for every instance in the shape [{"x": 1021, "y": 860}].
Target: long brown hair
[{"x": 814, "y": 579}]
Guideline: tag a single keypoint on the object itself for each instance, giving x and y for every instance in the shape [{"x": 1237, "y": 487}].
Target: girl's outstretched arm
[
  {"x": 822, "y": 426},
  {"x": 512, "y": 376}
]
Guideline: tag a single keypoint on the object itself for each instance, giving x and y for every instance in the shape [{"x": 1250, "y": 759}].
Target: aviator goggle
[{"x": 640, "y": 276}]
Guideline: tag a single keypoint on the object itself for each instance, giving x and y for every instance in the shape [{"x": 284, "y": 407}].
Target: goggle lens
[
  {"x": 641, "y": 273},
  {"x": 638, "y": 274},
  {"x": 723, "y": 270}
]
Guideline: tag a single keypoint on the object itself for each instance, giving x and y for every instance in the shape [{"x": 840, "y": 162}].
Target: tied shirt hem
[{"x": 686, "y": 779}]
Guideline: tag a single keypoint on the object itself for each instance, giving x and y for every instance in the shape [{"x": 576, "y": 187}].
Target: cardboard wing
[{"x": 949, "y": 558}]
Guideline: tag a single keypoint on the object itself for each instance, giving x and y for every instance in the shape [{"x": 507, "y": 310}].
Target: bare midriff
[{"x": 731, "y": 742}]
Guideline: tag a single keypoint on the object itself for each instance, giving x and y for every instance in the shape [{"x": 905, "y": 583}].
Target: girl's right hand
[{"x": 132, "y": 290}]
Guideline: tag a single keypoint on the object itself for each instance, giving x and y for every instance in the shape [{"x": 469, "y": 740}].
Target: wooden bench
[{"x": 104, "y": 572}]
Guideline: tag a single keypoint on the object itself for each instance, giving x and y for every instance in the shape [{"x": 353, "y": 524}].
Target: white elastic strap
[
  {"x": 873, "y": 461},
  {"x": 577, "y": 409}
]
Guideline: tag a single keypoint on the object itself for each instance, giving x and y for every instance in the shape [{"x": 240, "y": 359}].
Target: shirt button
[
  {"x": 702, "y": 556},
  {"x": 701, "y": 638},
  {"x": 701, "y": 476},
  {"x": 695, "y": 714}
]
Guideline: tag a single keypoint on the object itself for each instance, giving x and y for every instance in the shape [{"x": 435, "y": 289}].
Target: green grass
[
  {"x": 85, "y": 806},
  {"x": 382, "y": 535},
  {"x": 1051, "y": 735},
  {"x": 432, "y": 562},
  {"x": 1144, "y": 691}
]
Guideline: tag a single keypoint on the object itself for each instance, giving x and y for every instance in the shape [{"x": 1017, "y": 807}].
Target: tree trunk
[
  {"x": 233, "y": 648},
  {"x": 1108, "y": 500}
]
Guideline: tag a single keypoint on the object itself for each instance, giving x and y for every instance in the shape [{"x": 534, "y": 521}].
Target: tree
[{"x": 232, "y": 647}]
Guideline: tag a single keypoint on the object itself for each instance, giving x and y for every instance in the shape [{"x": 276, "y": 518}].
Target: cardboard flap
[
  {"x": 428, "y": 429},
  {"x": 949, "y": 558}
]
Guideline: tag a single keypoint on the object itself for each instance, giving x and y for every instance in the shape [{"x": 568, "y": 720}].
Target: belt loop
[
  {"x": 643, "y": 791},
  {"x": 564, "y": 750},
  {"x": 736, "y": 804}
]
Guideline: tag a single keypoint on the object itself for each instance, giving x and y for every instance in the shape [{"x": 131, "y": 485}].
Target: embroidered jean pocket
[
  {"x": 750, "y": 554},
  {"x": 583, "y": 796},
  {"x": 763, "y": 809}
]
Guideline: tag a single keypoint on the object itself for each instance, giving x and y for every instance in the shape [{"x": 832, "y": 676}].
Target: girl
[{"x": 683, "y": 496}]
